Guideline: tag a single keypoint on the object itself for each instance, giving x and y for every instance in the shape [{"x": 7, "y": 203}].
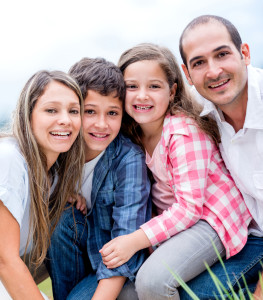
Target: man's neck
[{"x": 236, "y": 115}]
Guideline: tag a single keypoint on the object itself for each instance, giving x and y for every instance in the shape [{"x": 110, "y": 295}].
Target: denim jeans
[
  {"x": 184, "y": 254},
  {"x": 67, "y": 260},
  {"x": 246, "y": 262}
]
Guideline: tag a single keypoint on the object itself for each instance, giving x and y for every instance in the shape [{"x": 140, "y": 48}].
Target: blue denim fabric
[
  {"x": 246, "y": 262},
  {"x": 120, "y": 203}
]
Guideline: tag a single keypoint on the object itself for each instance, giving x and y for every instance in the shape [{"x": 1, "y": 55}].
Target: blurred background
[{"x": 54, "y": 34}]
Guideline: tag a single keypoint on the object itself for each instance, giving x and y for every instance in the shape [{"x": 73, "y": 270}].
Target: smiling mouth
[
  {"x": 213, "y": 86},
  {"x": 99, "y": 136},
  {"x": 139, "y": 107},
  {"x": 58, "y": 133}
]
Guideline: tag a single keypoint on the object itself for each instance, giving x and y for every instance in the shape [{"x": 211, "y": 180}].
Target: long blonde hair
[
  {"x": 182, "y": 101},
  {"x": 45, "y": 210}
]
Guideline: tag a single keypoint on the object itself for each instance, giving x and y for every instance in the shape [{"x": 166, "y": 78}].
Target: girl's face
[
  {"x": 56, "y": 120},
  {"x": 147, "y": 92}
]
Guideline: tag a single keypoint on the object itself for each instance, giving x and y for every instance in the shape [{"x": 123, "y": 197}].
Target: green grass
[{"x": 46, "y": 287}]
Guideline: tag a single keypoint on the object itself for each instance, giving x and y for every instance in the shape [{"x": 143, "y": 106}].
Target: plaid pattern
[
  {"x": 202, "y": 187},
  {"x": 120, "y": 203}
]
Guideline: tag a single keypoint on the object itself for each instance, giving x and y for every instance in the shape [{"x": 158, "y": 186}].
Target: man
[{"x": 216, "y": 62}]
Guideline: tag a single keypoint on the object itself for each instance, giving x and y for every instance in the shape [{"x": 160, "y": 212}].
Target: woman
[{"x": 45, "y": 142}]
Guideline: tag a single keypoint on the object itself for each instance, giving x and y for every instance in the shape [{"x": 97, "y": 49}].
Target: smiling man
[{"x": 217, "y": 63}]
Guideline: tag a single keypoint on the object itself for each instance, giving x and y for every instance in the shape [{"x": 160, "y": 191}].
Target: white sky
[{"x": 54, "y": 34}]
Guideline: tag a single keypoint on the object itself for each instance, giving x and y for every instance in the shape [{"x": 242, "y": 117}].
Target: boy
[{"x": 115, "y": 186}]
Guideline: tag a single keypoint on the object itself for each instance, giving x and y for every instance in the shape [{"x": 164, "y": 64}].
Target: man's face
[{"x": 214, "y": 66}]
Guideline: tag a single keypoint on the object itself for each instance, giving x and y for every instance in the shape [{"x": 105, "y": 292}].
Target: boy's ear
[{"x": 187, "y": 74}]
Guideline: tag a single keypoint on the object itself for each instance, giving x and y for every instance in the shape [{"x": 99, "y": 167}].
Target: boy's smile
[{"x": 101, "y": 122}]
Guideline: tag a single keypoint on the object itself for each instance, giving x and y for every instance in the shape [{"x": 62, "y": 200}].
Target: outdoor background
[{"x": 54, "y": 34}]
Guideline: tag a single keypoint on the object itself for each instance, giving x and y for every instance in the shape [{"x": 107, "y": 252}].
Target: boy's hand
[
  {"x": 118, "y": 251},
  {"x": 80, "y": 202}
]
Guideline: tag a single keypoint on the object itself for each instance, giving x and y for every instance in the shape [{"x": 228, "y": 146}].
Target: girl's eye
[
  {"x": 89, "y": 111},
  {"x": 131, "y": 86},
  {"x": 113, "y": 113},
  {"x": 51, "y": 111}
]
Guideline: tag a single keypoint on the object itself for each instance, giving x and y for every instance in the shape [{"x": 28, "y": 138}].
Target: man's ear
[
  {"x": 245, "y": 53},
  {"x": 187, "y": 74}
]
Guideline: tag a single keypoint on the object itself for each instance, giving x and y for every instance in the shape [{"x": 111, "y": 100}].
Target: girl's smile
[{"x": 147, "y": 93}]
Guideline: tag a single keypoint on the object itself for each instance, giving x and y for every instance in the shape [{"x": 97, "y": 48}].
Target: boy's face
[
  {"x": 214, "y": 65},
  {"x": 101, "y": 122}
]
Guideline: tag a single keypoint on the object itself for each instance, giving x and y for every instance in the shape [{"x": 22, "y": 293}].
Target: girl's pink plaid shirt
[{"x": 202, "y": 187}]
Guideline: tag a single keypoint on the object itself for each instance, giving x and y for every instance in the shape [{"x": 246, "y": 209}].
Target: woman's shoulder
[{"x": 10, "y": 153}]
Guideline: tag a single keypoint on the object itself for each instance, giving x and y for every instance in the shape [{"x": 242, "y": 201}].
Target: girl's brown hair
[{"x": 182, "y": 102}]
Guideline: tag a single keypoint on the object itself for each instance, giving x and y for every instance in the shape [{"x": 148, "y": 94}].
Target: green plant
[{"x": 223, "y": 292}]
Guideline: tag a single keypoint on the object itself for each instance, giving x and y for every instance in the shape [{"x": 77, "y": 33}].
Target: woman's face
[{"x": 56, "y": 120}]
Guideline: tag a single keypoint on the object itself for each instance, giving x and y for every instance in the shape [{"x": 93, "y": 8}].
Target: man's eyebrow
[{"x": 215, "y": 50}]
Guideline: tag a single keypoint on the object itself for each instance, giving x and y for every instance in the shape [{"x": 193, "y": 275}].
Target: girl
[
  {"x": 195, "y": 197},
  {"x": 45, "y": 141}
]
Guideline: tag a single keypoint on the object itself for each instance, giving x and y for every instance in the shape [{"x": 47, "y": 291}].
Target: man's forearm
[{"x": 109, "y": 288}]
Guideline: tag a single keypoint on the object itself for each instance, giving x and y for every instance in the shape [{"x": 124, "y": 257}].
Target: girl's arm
[
  {"x": 122, "y": 248},
  {"x": 110, "y": 287},
  {"x": 14, "y": 274}
]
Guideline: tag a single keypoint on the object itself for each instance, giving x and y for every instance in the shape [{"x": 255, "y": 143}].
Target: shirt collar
[{"x": 254, "y": 111}]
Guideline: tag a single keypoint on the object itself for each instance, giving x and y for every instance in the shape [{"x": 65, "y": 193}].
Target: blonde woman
[{"x": 45, "y": 141}]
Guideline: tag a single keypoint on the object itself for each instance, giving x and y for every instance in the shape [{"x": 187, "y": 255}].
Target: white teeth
[
  {"x": 60, "y": 133},
  {"x": 142, "y": 107},
  {"x": 217, "y": 85},
  {"x": 99, "y": 135}
]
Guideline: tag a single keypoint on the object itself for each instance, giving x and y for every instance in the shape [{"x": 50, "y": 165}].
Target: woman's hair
[
  {"x": 182, "y": 102},
  {"x": 45, "y": 210}
]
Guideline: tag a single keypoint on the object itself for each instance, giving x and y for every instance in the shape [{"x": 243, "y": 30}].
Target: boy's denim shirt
[{"x": 120, "y": 203}]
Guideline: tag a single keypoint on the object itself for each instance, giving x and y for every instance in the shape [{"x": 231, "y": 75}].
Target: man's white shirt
[{"x": 242, "y": 151}]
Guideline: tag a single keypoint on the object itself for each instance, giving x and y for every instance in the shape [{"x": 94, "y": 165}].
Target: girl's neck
[{"x": 151, "y": 135}]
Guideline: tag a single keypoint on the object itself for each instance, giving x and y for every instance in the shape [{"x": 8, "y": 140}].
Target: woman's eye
[
  {"x": 51, "y": 110},
  {"x": 74, "y": 111}
]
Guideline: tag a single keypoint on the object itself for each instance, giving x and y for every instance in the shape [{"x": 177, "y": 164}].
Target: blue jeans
[
  {"x": 67, "y": 260},
  {"x": 246, "y": 262}
]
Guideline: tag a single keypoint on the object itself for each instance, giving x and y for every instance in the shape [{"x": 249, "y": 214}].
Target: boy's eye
[
  {"x": 89, "y": 111},
  {"x": 112, "y": 113},
  {"x": 154, "y": 86}
]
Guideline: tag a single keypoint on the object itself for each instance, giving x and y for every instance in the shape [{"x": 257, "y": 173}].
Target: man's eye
[
  {"x": 198, "y": 63},
  {"x": 223, "y": 54}
]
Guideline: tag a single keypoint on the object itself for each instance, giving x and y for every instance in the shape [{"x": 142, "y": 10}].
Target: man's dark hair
[
  {"x": 234, "y": 34},
  {"x": 99, "y": 75}
]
